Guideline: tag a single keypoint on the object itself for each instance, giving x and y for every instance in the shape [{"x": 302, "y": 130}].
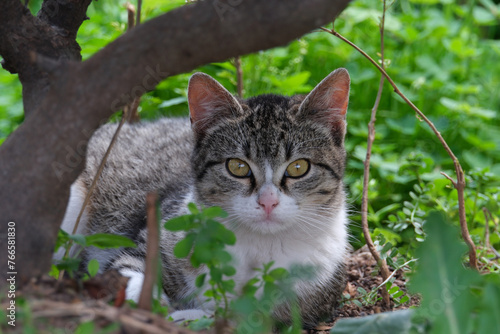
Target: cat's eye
[
  {"x": 238, "y": 168},
  {"x": 298, "y": 168}
]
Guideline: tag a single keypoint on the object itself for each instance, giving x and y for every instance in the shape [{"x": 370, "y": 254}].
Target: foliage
[
  {"x": 205, "y": 243},
  {"x": 397, "y": 322},
  {"x": 72, "y": 263},
  {"x": 458, "y": 300}
]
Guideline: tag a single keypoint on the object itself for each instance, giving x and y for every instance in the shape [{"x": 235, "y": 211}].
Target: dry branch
[
  {"x": 384, "y": 269},
  {"x": 131, "y": 110},
  {"x": 239, "y": 76},
  {"x": 45, "y": 154},
  {"x": 152, "y": 253},
  {"x": 486, "y": 229},
  {"x": 460, "y": 183},
  {"x": 132, "y": 320}
]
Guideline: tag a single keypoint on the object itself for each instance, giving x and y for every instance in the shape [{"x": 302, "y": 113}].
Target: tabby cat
[{"x": 274, "y": 163}]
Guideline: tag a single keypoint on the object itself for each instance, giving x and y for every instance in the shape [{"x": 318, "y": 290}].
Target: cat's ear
[
  {"x": 327, "y": 102},
  {"x": 209, "y": 102}
]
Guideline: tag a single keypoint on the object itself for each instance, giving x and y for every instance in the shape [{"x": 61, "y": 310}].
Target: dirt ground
[{"x": 59, "y": 307}]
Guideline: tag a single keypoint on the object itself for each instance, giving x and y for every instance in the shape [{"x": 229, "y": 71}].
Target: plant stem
[
  {"x": 152, "y": 253},
  {"x": 239, "y": 76},
  {"x": 384, "y": 269},
  {"x": 486, "y": 228}
]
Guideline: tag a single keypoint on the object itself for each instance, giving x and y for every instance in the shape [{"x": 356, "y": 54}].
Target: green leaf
[
  {"x": 216, "y": 274},
  {"x": 201, "y": 324},
  {"x": 181, "y": 223},
  {"x": 93, "y": 267},
  {"x": 200, "y": 280},
  {"x": 488, "y": 319},
  {"x": 214, "y": 212},
  {"x": 54, "y": 271},
  {"x": 70, "y": 265},
  {"x": 278, "y": 273},
  {"x": 228, "y": 285},
  {"x": 397, "y": 322},
  {"x": 293, "y": 83},
  {"x": 105, "y": 240},
  {"x": 228, "y": 237},
  {"x": 172, "y": 102},
  {"x": 79, "y": 239},
  {"x": 86, "y": 328},
  {"x": 228, "y": 270},
  {"x": 183, "y": 247},
  {"x": 442, "y": 280},
  {"x": 357, "y": 303},
  {"x": 193, "y": 209},
  {"x": 62, "y": 238}
]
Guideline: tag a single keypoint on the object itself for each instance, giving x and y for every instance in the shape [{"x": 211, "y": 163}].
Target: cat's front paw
[{"x": 186, "y": 315}]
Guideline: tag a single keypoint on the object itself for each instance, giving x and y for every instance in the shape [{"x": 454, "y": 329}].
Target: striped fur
[{"x": 184, "y": 163}]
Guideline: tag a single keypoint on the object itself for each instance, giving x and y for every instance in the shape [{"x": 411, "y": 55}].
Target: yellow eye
[
  {"x": 238, "y": 168},
  {"x": 298, "y": 168}
]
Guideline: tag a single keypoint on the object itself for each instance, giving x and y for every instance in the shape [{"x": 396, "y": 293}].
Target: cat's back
[
  {"x": 141, "y": 146},
  {"x": 147, "y": 156}
]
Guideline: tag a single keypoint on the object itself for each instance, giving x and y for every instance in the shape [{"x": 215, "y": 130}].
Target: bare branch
[
  {"x": 449, "y": 178},
  {"x": 486, "y": 228},
  {"x": 152, "y": 253},
  {"x": 384, "y": 269},
  {"x": 239, "y": 76}
]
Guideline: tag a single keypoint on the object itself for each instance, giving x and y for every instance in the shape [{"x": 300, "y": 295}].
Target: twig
[
  {"x": 133, "y": 320},
  {"x": 486, "y": 228},
  {"x": 131, "y": 109},
  {"x": 497, "y": 254},
  {"x": 92, "y": 186},
  {"x": 131, "y": 15},
  {"x": 151, "y": 270},
  {"x": 384, "y": 269},
  {"x": 460, "y": 183},
  {"x": 138, "y": 18},
  {"x": 449, "y": 178},
  {"x": 239, "y": 76}
]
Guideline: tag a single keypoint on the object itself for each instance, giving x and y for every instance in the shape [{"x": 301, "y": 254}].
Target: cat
[{"x": 275, "y": 164}]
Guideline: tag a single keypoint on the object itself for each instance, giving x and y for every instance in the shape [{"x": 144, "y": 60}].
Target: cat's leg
[
  {"x": 202, "y": 308},
  {"x": 134, "y": 287},
  {"x": 129, "y": 264},
  {"x": 75, "y": 203},
  {"x": 191, "y": 314}
]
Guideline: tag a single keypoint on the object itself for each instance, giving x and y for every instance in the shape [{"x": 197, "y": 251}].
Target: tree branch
[
  {"x": 45, "y": 154},
  {"x": 65, "y": 15},
  {"x": 51, "y": 34}
]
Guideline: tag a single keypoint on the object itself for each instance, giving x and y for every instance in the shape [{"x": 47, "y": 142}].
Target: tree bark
[
  {"x": 52, "y": 33},
  {"x": 41, "y": 159}
]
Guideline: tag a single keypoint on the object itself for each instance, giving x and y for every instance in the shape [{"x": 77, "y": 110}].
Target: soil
[{"x": 61, "y": 306}]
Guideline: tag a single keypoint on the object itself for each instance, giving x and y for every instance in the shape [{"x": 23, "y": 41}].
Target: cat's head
[{"x": 274, "y": 163}]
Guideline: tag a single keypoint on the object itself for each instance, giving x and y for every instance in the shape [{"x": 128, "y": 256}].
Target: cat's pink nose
[{"x": 268, "y": 200}]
